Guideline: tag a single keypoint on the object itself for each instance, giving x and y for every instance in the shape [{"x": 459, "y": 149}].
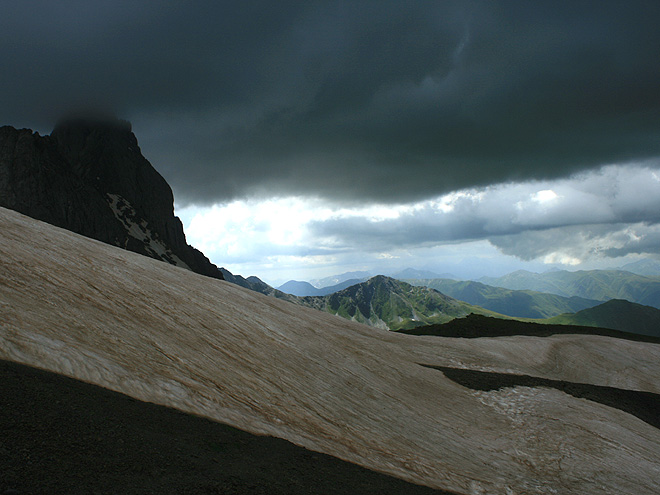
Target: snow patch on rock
[{"x": 139, "y": 229}]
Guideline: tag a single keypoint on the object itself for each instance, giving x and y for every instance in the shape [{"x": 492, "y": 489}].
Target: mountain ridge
[
  {"x": 392, "y": 304},
  {"x": 591, "y": 284},
  {"x": 617, "y": 314},
  {"x": 647, "y": 267},
  {"x": 514, "y": 303}
]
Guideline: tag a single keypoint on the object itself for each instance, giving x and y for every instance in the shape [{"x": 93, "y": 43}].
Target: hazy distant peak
[
  {"x": 305, "y": 289},
  {"x": 299, "y": 288},
  {"x": 647, "y": 267},
  {"x": 590, "y": 284},
  {"x": 413, "y": 273},
  {"x": 337, "y": 279}
]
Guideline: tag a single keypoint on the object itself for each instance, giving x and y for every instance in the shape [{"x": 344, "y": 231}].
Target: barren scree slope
[{"x": 163, "y": 334}]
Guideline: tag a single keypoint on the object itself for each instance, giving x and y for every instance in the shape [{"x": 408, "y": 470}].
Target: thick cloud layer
[
  {"x": 352, "y": 101},
  {"x": 584, "y": 215},
  {"x": 583, "y": 220}
]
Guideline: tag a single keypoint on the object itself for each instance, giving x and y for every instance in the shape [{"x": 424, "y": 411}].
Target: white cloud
[
  {"x": 545, "y": 196},
  {"x": 609, "y": 212}
]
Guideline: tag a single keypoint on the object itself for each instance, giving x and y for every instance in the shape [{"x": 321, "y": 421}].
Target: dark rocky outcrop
[
  {"x": 89, "y": 176},
  {"x": 475, "y": 326},
  {"x": 36, "y": 180}
]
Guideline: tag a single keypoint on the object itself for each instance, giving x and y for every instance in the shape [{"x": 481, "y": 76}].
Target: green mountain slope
[
  {"x": 616, "y": 314},
  {"x": 516, "y": 303},
  {"x": 602, "y": 285},
  {"x": 388, "y": 303}
]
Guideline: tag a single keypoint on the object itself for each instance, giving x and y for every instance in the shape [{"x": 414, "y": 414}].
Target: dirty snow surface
[{"x": 164, "y": 334}]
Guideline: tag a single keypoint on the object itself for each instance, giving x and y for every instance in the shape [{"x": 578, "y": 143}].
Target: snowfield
[{"x": 163, "y": 334}]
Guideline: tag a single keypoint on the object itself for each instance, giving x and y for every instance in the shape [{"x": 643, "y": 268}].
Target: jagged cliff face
[
  {"x": 36, "y": 180},
  {"x": 107, "y": 156},
  {"x": 91, "y": 178}
]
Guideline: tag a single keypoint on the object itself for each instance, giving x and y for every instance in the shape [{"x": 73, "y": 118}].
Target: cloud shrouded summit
[{"x": 357, "y": 101}]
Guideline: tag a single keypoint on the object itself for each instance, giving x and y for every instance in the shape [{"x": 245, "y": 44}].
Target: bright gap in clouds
[{"x": 591, "y": 220}]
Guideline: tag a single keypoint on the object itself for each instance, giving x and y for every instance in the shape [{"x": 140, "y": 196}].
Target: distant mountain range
[
  {"x": 414, "y": 274},
  {"x": 385, "y": 302},
  {"x": 394, "y": 304},
  {"x": 646, "y": 267},
  {"x": 516, "y": 303},
  {"x": 615, "y": 318},
  {"x": 303, "y": 289},
  {"x": 601, "y": 285},
  {"x": 338, "y": 279},
  {"x": 389, "y": 303},
  {"x": 361, "y": 276}
]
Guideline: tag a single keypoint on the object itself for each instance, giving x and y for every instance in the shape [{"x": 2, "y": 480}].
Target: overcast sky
[{"x": 309, "y": 138}]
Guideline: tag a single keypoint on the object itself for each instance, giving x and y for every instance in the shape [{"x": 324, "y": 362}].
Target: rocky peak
[
  {"x": 89, "y": 176},
  {"x": 106, "y": 155}
]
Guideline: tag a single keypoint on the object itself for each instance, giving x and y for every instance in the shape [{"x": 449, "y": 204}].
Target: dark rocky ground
[
  {"x": 475, "y": 326},
  {"x": 59, "y": 435}
]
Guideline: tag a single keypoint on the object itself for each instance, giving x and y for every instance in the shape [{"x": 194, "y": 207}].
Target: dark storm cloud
[
  {"x": 382, "y": 100},
  {"x": 132, "y": 55}
]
